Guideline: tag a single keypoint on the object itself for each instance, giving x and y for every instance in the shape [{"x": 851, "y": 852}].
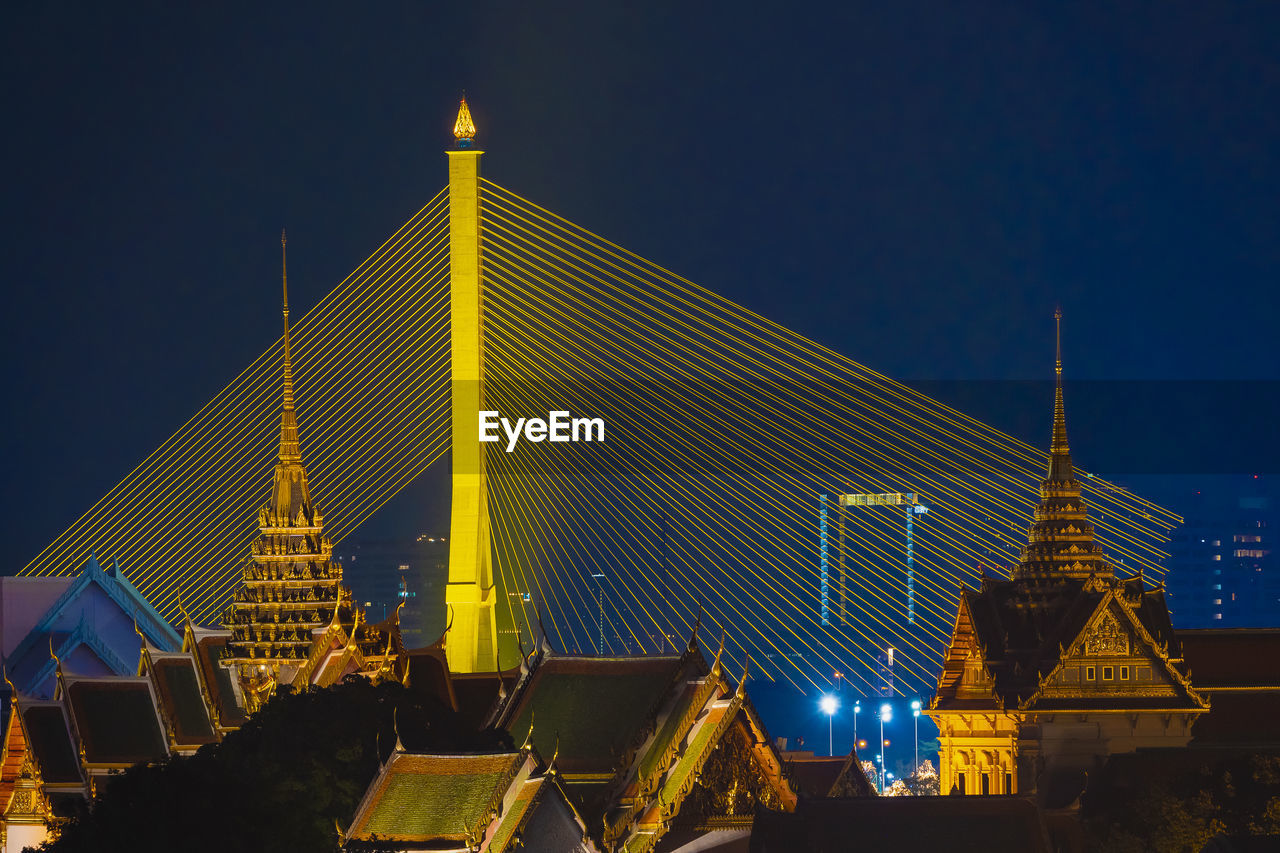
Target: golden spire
[
  {"x": 1060, "y": 469},
  {"x": 1060, "y": 542},
  {"x": 288, "y": 418},
  {"x": 464, "y": 129}
]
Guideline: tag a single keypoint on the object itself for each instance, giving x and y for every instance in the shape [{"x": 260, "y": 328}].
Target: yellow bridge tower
[{"x": 472, "y": 643}]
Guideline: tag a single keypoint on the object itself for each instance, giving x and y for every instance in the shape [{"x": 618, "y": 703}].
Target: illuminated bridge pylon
[{"x": 722, "y": 429}]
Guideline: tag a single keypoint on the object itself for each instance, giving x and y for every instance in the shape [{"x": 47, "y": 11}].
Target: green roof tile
[
  {"x": 590, "y": 708},
  {"x": 421, "y": 797},
  {"x": 650, "y": 761},
  {"x": 511, "y": 820},
  {"x": 692, "y": 757}
]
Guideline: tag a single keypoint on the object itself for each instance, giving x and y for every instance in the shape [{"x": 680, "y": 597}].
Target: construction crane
[{"x": 909, "y": 501}]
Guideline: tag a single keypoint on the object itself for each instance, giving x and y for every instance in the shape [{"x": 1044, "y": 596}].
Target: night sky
[{"x": 913, "y": 184}]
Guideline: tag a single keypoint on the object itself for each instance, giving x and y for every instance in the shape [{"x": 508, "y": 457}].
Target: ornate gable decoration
[{"x": 1107, "y": 637}]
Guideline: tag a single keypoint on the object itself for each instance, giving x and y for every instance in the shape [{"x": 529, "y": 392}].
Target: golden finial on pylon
[{"x": 464, "y": 129}]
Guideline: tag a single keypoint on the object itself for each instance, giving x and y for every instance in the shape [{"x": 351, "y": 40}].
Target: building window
[
  {"x": 986, "y": 785},
  {"x": 1217, "y": 601},
  {"x": 1108, "y": 673},
  {"x": 1124, "y": 673},
  {"x": 1240, "y": 538},
  {"x": 1217, "y": 616},
  {"x": 1217, "y": 557},
  {"x": 1008, "y": 783},
  {"x": 1090, "y": 673},
  {"x": 1250, "y": 552}
]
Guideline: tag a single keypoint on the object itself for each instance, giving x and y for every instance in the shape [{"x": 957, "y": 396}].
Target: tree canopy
[{"x": 280, "y": 783}]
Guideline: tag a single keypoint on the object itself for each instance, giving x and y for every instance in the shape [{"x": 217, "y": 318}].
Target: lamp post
[
  {"x": 829, "y": 705},
  {"x": 886, "y": 714},
  {"x": 857, "y": 707},
  {"x": 915, "y": 712}
]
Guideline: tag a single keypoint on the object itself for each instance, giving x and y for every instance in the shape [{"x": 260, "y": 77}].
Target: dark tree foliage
[
  {"x": 278, "y": 784},
  {"x": 1171, "y": 803}
]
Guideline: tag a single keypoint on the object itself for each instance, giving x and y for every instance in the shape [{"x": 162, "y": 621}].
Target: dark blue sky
[{"x": 913, "y": 184}]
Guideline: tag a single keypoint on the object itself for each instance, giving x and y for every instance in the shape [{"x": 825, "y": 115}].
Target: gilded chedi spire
[
  {"x": 290, "y": 585},
  {"x": 1060, "y": 541},
  {"x": 290, "y": 494}
]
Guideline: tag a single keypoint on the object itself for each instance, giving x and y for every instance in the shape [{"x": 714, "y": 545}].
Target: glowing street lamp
[
  {"x": 829, "y": 705},
  {"x": 857, "y": 707},
  {"x": 915, "y": 712},
  {"x": 886, "y": 714}
]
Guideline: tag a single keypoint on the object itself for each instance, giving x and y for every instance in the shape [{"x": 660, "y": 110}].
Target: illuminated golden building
[
  {"x": 1051, "y": 671},
  {"x": 291, "y": 619}
]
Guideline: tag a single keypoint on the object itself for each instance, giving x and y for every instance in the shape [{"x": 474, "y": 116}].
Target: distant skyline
[{"x": 916, "y": 187}]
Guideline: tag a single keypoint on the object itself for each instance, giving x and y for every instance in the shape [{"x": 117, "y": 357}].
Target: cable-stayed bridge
[{"x": 723, "y": 431}]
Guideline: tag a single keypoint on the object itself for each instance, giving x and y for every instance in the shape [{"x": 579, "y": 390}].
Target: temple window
[
  {"x": 986, "y": 784},
  {"x": 1090, "y": 673},
  {"x": 1108, "y": 673},
  {"x": 1124, "y": 673},
  {"x": 1008, "y": 782}
]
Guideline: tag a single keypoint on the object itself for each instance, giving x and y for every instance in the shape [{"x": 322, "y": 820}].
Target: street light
[
  {"x": 857, "y": 707},
  {"x": 915, "y": 712},
  {"x": 829, "y": 705},
  {"x": 886, "y": 714}
]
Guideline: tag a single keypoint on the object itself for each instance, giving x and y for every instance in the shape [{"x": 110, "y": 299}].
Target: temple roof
[
  {"x": 181, "y": 700},
  {"x": 96, "y": 613},
  {"x": 587, "y": 710},
  {"x": 49, "y": 734},
  {"x": 827, "y": 776},
  {"x": 1019, "y": 637},
  {"x": 208, "y": 646},
  {"x": 1239, "y": 668},
  {"x": 116, "y": 720},
  {"x": 424, "y": 798},
  {"x": 14, "y": 754}
]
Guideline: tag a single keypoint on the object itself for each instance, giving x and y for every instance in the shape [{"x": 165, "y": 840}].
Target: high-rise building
[
  {"x": 383, "y": 573},
  {"x": 1223, "y": 569}
]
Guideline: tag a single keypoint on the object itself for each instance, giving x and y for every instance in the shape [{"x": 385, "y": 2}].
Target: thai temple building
[{"x": 1064, "y": 664}]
